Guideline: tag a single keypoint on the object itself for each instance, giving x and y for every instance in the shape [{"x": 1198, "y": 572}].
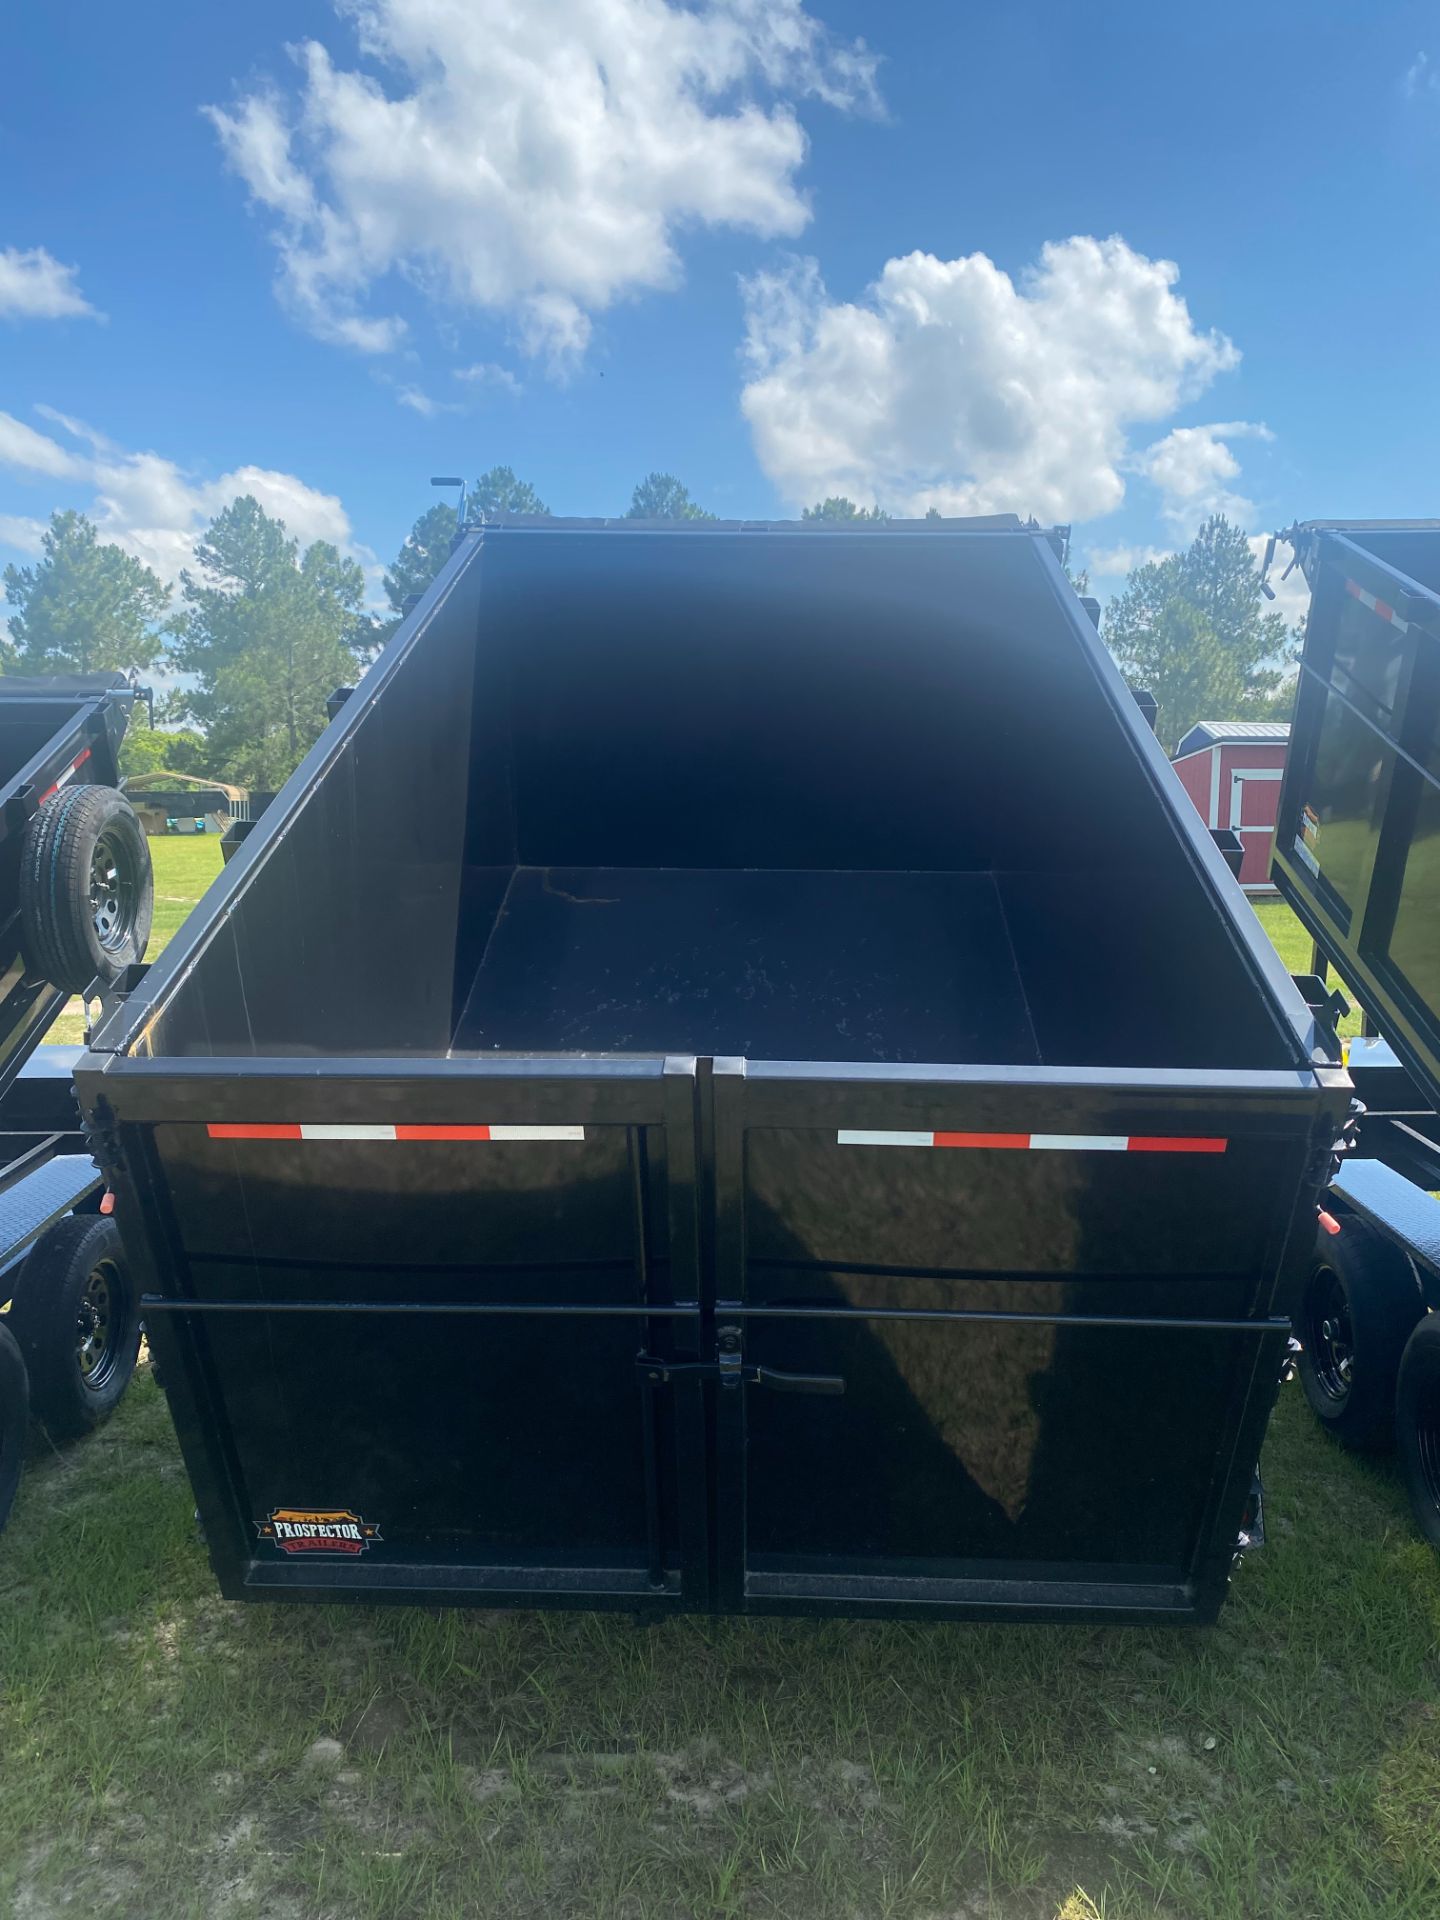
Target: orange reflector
[
  {"x": 107, "y": 1201},
  {"x": 1328, "y": 1220}
]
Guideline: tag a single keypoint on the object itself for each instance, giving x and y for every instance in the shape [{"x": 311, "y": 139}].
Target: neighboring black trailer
[
  {"x": 1357, "y": 854},
  {"x": 731, "y": 1078},
  {"x": 75, "y": 899},
  {"x": 57, "y": 735}
]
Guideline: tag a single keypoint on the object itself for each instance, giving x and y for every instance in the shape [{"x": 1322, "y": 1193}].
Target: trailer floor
[{"x": 772, "y": 965}]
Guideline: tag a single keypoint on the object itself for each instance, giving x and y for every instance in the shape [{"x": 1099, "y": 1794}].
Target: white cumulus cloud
[
  {"x": 531, "y": 162},
  {"x": 418, "y": 401},
  {"x": 20, "y": 533},
  {"x": 1110, "y": 563},
  {"x": 951, "y": 385},
  {"x": 153, "y": 507},
  {"x": 1193, "y": 468},
  {"x": 1421, "y": 77},
  {"x": 489, "y": 373},
  {"x": 36, "y": 286}
]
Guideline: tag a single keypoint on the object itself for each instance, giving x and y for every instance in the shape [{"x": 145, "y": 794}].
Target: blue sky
[{"x": 912, "y": 253}]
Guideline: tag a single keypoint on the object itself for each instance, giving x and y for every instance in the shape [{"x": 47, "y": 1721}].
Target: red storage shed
[{"x": 1232, "y": 769}]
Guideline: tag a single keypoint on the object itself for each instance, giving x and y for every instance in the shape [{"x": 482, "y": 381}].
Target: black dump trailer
[
  {"x": 731, "y": 1078},
  {"x": 75, "y": 907},
  {"x": 1357, "y": 854}
]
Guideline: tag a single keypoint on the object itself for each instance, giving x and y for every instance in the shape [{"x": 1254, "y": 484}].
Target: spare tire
[
  {"x": 14, "y": 1417},
  {"x": 87, "y": 894}
]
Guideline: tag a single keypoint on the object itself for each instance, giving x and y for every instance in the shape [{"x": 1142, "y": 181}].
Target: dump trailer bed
[{"x": 790, "y": 1114}]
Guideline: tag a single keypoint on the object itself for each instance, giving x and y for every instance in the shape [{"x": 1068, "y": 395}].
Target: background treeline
[{"x": 244, "y": 652}]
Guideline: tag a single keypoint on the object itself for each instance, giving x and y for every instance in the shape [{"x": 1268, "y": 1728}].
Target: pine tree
[
  {"x": 85, "y": 606},
  {"x": 836, "y": 507},
  {"x": 269, "y": 633},
  {"x": 660, "y": 496},
  {"x": 499, "y": 491},
  {"x": 426, "y": 549},
  {"x": 1192, "y": 629}
]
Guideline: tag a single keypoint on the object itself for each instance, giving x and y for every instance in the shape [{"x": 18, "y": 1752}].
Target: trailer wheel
[
  {"x": 77, "y": 1320},
  {"x": 14, "y": 1417},
  {"x": 1417, "y": 1425},
  {"x": 87, "y": 894},
  {"x": 1359, "y": 1306}
]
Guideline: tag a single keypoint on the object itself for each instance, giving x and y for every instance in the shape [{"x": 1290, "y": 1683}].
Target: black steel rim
[
  {"x": 1328, "y": 1337},
  {"x": 99, "y": 1326},
  {"x": 114, "y": 890},
  {"x": 1427, "y": 1440}
]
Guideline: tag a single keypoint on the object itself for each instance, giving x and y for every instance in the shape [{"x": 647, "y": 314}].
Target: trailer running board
[
  {"x": 1394, "y": 1206},
  {"x": 42, "y": 1198}
]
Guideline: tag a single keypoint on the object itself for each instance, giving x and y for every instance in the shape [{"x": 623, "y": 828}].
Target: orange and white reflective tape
[
  {"x": 1382, "y": 607},
  {"x": 73, "y": 768},
  {"x": 324, "y": 1130},
  {"x": 1041, "y": 1142}
]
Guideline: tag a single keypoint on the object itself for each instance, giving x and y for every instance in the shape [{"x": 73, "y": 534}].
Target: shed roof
[{"x": 1218, "y": 733}]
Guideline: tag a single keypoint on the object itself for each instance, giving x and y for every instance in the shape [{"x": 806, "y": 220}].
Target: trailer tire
[
  {"x": 1361, "y": 1301},
  {"x": 14, "y": 1419},
  {"x": 87, "y": 893},
  {"x": 77, "y": 1320},
  {"x": 1417, "y": 1425}
]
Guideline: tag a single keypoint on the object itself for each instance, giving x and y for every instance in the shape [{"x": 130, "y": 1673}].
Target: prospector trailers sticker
[{"x": 317, "y": 1530}]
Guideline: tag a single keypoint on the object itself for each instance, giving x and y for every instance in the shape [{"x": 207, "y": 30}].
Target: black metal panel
[
  {"x": 334, "y": 927},
  {"x": 476, "y": 1397},
  {"x": 1045, "y": 1350}
]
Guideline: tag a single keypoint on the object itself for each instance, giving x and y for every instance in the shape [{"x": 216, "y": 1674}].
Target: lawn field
[{"x": 167, "y": 1754}]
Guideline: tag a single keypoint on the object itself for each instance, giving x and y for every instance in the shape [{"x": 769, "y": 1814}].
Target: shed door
[{"x": 1254, "y": 800}]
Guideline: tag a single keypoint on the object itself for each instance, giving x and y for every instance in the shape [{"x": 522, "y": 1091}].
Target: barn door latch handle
[{"x": 731, "y": 1370}]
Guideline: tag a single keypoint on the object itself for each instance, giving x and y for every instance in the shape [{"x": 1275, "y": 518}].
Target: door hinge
[{"x": 102, "y": 1136}]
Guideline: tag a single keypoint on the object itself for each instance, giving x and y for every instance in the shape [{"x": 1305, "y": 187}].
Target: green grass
[
  {"x": 156, "y": 1742},
  {"x": 184, "y": 867}
]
